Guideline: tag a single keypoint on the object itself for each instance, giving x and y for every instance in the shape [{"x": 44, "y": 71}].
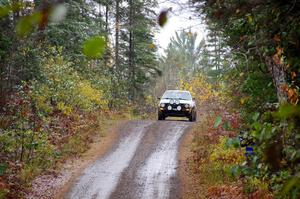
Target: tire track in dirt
[
  {"x": 99, "y": 179},
  {"x": 142, "y": 165}
]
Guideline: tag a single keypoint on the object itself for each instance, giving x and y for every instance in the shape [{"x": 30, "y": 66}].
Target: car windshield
[{"x": 182, "y": 95}]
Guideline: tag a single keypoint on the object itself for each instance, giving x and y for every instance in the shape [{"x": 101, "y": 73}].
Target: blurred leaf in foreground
[
  {"x": 163, "y": 18},
  {"x": 58, "y": 13},
  {"x": 94, "y": 47},
  {"x": 4, "y": 10},
  {"x": 27, "y": 23}
]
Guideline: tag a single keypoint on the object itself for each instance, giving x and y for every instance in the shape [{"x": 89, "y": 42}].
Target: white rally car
[{"x": 177, "y": 103}]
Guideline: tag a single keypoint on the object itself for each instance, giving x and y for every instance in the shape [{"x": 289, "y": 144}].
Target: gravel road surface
[{"x": 142, "y": 165}]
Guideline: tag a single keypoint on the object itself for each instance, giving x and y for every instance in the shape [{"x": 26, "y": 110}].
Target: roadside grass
[{"x": 212, "y": 160}]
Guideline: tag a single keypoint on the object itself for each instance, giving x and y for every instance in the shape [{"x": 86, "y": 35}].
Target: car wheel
[
  {"x": 195, "y": 117},
  {"x": 161, "y": 117},
  {"x": 191, "y": 117}
]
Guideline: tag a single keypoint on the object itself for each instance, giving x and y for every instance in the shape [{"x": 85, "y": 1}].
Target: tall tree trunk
[
  {"x": 131, "y": 52},
  {"x": 11, "y": 71},
  {"x": 44, "y": 7},
  {"x": 107, "y": 55},
  {"x": 116, "y": 68},
  {"x": 107, "y": 33},
  {"x": 6, "y": 22},
  {"x": 117, "y": 29},
  {"x": 279, "y": 79}
]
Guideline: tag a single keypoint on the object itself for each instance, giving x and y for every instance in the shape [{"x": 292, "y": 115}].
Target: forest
[{"x": 67, "y": 66}]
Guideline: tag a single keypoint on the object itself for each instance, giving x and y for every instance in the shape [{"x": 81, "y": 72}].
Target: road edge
[
  {"x": 186, "y": 188},
  {"x": 97, "y": 150}
]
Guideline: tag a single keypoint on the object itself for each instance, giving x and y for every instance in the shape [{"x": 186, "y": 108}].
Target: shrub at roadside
[
  {"x": 213, "y": 161},
  {"x": 218, "y": 158},
  {"x": 273, "y": 133},
  {"x": 45, "y": 121}
]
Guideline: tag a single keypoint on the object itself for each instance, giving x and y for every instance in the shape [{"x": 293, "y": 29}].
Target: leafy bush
[
  {"x": 276, "y": 151},
  {"x": 203, "y": 90},
  {"x": 226, "y": 154},
  {"x": 258, "y": 89},
  {"x": 43, "y": 121},
  {"x": 252, "y": 184},
  {"x": 64, "y": 89}
]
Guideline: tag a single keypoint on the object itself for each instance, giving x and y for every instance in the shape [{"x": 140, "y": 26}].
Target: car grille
[{"x": 174, "y": 106}]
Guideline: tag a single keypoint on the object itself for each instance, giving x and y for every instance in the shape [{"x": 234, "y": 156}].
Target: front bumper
[{"x": 183, "y": 112}]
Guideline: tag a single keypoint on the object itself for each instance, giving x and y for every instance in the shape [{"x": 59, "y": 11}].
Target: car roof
[{"x": 177, "y": 91}]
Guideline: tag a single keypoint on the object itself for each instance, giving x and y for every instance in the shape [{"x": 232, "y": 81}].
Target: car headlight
[
  {"x": 179, "y": 108},
  {"x": 162, "y": 105},
  {"x": 187, "y": 106}
]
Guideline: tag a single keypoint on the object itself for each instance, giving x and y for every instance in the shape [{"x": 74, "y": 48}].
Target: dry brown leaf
[
  {"x": 293, "y": 75},
  {"x": 276, "y": 38}
]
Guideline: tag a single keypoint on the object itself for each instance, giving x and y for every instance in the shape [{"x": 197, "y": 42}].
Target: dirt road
[{"x": 141, "y": 165}]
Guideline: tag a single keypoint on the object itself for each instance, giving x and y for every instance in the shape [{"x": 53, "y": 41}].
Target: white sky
[{"x": 181, "y": 17}]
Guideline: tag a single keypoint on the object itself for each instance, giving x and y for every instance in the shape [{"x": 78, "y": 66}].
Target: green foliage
[
  {"x": 141, "y": 68},
  {"x": 263, "y": 39},
  {"x": 94, "y": 47},
  {"x": 63, "y": 87},
  {"x": 287, "y": 111},
  {"x": 218, "y": 121},
  {"x": 4, "y": 10},
  {"x": 80, "y": 23},
  {"x": 182, "y": 59},
  {"x": 291, "y": 188},
  {"x": 253, "y": 184},
  {"x": 258, "y": 90},
  {"x": 3, "y": 167},
  {"x": 58, "y": 71},
  {"x": 26, "y": 24},
  {"x": 27, "y": 146},
  {"x": 216, "y": 58},
  {"x": 276, "y": 151},
  {"x": 225, "y": 153}
]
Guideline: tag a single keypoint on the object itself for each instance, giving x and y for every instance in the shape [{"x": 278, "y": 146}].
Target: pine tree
[
  {"x": 183, "y": 58},
  {"x": 215, "y": 52}
]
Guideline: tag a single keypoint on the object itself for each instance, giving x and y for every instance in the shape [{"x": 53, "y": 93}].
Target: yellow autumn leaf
[
  {"x": 250, "y": 19},
  {"x": 151, "y": 46},
  {"x": 243, "y": 101}
]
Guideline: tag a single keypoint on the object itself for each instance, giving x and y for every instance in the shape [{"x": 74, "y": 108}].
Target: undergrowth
[
  {"x": 217, "y": 156},
  {"x": 48, "y": 121}
]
